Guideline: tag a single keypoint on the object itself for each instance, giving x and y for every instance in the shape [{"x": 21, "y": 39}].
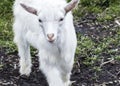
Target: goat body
[{"x": 48, "y": 26}]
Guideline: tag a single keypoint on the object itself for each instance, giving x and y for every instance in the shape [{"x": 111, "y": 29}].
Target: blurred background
[{"x": 97, "y": 59}]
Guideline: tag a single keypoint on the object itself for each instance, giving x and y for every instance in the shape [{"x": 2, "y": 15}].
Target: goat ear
[
  {"x": 29, "y": 9},
  {"x": 71, "y": 5}
]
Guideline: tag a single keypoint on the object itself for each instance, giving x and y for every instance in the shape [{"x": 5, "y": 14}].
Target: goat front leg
[
  {"x": 23, "y": 48},
  {"x": 66, "y": 79},
  {"x": 51, "y": 71},
  {"x": 66, "y": 67},
  {"x": 54, "y": 77},
  {"x": 66, "y": 76},
  {"x": 25, "y": 58}
]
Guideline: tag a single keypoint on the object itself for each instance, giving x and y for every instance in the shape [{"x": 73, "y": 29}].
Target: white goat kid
[{"x": 48, "y": 26}]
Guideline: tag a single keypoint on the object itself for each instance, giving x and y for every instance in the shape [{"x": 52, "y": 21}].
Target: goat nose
[{"x": 50, "y": 36}]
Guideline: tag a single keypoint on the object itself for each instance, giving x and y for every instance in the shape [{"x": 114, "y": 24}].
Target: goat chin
[{"x": 35, "y": 23}]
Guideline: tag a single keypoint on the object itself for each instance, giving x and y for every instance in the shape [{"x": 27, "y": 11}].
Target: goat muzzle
[{"x": 50, "y": 37}]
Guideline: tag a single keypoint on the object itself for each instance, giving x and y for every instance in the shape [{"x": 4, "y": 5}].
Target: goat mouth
[{"x": 51, "y": 41}]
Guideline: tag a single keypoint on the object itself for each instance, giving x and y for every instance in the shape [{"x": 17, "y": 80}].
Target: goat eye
[
  {"x": 40, "y": 20},
  {"x": 61, "y": 19}
]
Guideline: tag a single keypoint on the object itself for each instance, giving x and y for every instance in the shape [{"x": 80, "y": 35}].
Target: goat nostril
[{"x": 50, "y": 36}]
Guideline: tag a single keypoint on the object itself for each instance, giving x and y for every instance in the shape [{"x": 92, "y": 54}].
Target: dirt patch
[
  {"x": 9, "y": 72},
  {"x": 81, "y": 74}
]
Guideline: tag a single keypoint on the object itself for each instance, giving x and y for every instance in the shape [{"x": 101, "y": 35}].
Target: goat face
[{"x": 51, "y": 19}]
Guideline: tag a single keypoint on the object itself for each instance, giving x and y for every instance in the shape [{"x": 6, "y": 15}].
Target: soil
[{"x": 82, "y": 75}]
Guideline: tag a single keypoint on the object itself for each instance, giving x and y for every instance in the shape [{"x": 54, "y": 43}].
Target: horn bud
[{"x": 71, "y": 5}]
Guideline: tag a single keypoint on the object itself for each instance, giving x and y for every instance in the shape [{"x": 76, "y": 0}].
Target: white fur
[{"x": 57, "y": 58}]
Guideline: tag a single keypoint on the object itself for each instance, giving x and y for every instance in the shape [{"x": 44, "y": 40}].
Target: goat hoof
[
  {"x": 25, "y": 70},
  {"x": 24, "y": 77},
  {"x": 71, "y": 82}
]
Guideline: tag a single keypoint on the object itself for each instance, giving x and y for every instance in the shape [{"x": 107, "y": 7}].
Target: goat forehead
[
  {"x": 50, "y": 3},
  {"x": 51, "y": 13}
]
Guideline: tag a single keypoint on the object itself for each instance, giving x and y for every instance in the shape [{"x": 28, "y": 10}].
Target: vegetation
[
  {"x": 106, "y": 9},
  {"x": 6, "y": 19},
  {"x": 95, "y": 50},
  {"x": 92, "y": 51}
]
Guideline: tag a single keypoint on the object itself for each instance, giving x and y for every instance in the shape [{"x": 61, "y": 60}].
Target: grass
[
  {"x": 104, "y": 10},
  {"x": 6, "y": 21}
]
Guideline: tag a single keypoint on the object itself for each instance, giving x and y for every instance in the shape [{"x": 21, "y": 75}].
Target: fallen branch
[
  {"x": 116, "y": 21},
  {"x": 104, "y": 63}
]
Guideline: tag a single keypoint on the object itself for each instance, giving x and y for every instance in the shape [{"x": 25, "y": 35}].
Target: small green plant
[{"x": 1, "y": 65}]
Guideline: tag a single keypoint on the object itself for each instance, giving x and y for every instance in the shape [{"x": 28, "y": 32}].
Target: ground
[{"x": 103, "y": 71}]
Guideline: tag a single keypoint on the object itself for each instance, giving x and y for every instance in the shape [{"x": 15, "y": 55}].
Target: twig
[
  {"x": 110, "y": 82},
  {"x": 112, "y": 74},
  {"x": 110, "y": 61},
  {"x": 118, "y": 72},
  {"x": 116, "y": 21}
]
